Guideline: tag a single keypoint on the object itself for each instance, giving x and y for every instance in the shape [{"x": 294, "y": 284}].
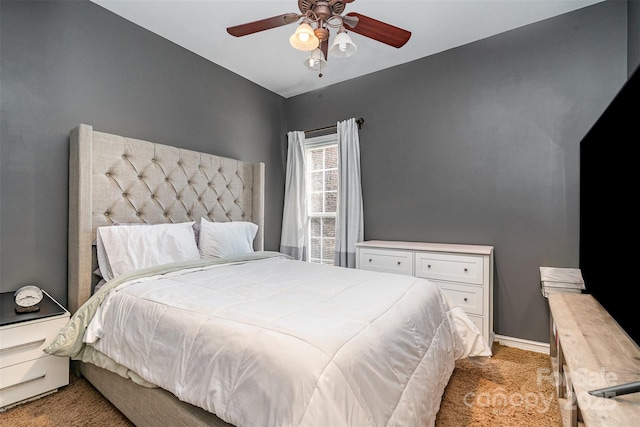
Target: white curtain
[
  {"x": 350, "y": 217},
  {"x": 293, "y": 240}
]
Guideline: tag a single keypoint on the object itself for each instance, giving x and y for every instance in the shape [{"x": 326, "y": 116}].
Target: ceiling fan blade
[
  {"x": 377, "y": 30},
  {"x": 263, "y": 24}
]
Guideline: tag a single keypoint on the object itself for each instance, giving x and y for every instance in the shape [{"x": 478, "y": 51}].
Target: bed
[{"x": 279, "y": 342}]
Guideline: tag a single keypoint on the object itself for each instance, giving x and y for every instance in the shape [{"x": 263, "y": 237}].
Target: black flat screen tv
[{"x": 609, "y": 214}]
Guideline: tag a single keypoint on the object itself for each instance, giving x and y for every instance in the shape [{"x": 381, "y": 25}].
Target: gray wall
[
  {"x": 65, "y": 63},
  {"x": 475, "y": 145},
  {"x": 633, "y": 26},
  {"x": 480, "y": 145}
]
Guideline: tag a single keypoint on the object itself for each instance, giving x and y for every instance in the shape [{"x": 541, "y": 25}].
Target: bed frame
[{"x": 117, "y": 180}]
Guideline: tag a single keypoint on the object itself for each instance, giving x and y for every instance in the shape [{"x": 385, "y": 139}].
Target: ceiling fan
[{"x": 312, "y": 34}]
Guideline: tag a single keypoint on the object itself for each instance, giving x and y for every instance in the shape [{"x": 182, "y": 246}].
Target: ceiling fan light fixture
[
  {"x": 314, "y": 23},
  {"x": 304, "y": 38},
  {"x": 316, "y": 61},
  {"x": 342, "y": 46}
]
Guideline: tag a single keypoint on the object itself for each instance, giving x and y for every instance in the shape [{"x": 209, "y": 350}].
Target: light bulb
[
  {"x": 304, "y": 39},
  {"x": 342, "y": 46},
  {"x": 315, "y": 61}
]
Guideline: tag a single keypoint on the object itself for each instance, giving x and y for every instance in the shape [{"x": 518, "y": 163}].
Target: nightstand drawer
[
  {"x": 400, "y": 262},
  {"x": 28, "y": 379},
  {"x": 469, "y": 298},
  {"x": 455, "y": 268},
  {"x": 25, "y": 341}
]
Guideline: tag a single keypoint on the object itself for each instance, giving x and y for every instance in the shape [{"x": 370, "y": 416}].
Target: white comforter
[{"x": 277, "y": 342}]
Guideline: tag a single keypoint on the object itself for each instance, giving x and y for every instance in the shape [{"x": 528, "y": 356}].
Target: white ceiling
[{"x": 267, "y": 59}]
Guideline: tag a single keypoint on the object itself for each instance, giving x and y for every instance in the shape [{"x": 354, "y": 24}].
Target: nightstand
[{"x": 26, "y": 371}]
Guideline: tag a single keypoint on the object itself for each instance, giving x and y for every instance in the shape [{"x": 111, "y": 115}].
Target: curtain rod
[{"x": 359, "y": 121}]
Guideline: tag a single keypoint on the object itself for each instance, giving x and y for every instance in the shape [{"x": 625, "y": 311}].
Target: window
[{"x": 322, "y": 180}]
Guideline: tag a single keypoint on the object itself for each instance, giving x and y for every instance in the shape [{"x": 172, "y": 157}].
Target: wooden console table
[{"x": 589, "y": 351}]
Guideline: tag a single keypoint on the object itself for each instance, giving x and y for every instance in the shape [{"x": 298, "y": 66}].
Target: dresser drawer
[
  {"x": 25, "y": 341},
  {"x": 469, "y": 298},
  {"x": 400, "y": 262},
  {"x": 28, "y": 379},
  {"x": 477, "y": 321},
  {"x": 455, "y": 268}
]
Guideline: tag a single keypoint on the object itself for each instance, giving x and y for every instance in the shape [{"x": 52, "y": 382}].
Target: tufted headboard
[{"x": 114, "y": 179}]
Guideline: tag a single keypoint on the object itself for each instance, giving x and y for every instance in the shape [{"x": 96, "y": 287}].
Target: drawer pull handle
[
  {"x": 28, "y": 380},
  {"x": 466, "y": 269},
  {"x": 428, "y": 265},
  {"x": 398, "y": 262},
  {"x": 466, "y": 299},
  {"x": 369, "y": 259},
  {"x": 23, "y": 345}
]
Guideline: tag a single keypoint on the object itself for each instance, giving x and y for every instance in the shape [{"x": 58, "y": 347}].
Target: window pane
[
  {"x": 315, "y": 248},
  {"x": 331, "y": 201},
  {"x": 328, "y": 249},
  {"x": 316, "y": 159},
  {"x": 331, "y": 180},
  {"x": 329, "y": 227},
  {"x": 317, "y": 184},
  {"x": 315, "y": 226},
  {"x": 331, "y": 157},
  {"x": 316, "y": 202}
]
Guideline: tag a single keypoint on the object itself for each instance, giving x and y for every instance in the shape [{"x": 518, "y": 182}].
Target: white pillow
[
  {"x": 223, "y": 239},
  {"x": 125, "y": 249}
]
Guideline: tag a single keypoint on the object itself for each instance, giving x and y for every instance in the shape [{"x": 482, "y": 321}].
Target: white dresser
[
  {"x": 464, "y": 273},
  {"x": 26, "y": 371}
]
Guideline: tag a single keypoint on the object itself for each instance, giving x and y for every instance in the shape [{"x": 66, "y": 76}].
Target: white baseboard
[{"x": 538, "y": 347}]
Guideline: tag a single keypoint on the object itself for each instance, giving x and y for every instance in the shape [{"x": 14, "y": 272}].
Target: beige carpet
[
  {"x": 76, "y": 405},
  {"x": 512, "y": 388},
  {"x": 509, "y": 389}
]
